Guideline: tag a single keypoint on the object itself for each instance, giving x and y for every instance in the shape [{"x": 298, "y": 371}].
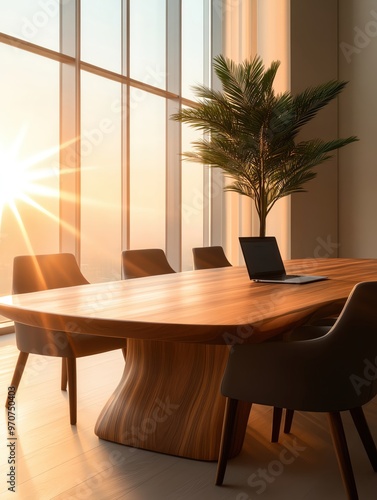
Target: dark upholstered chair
[
  {"x": 209, "y": 257},
  {"x": 41, "y": 272},
  {"x": 324, "y": 374},
  {"x": 144, "y": 262}
]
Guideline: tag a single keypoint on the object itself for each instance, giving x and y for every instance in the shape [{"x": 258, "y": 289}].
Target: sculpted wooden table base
[{"x": 169, "y": 400}]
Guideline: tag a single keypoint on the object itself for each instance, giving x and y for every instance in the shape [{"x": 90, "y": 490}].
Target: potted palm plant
[{"x": 251, "y": 133}]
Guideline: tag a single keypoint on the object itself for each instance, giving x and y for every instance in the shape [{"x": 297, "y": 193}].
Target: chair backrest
[
  {"x": 32, "y": 273},
  {"x": 144, "y": 262},
  {"x": 356, "y": 325},
  {"x": 350, "y": 348},
  {"x": 209, "y": 257}
]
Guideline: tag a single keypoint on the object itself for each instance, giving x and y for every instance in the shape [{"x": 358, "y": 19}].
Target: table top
[{"x": 214, "y": 306}]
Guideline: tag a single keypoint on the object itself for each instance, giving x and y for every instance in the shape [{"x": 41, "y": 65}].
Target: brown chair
[
  {"x": 209, "y": 257},
  {"x": 346, "y": 379},
  {"x": 42, "y": 272},
  {"x": 144, "y": 262}
]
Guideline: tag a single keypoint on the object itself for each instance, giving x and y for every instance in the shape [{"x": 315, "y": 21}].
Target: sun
[
  {"x": 20, "y": 179},
  {"x": 13, "y": 177}
]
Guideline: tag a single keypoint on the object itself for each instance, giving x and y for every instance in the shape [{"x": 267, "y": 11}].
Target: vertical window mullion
[
  {"x": 125, "y": 107},
  {"x": 216, "y": 181},
  {"x": 70, "y": 129},
  {"x": 173, "y": 135}
]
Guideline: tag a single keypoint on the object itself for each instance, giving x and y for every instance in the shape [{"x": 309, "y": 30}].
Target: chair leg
[
  {"x": 72, "y": 390},
  {"x": 64, "y": 380},
  {"x": 226, "y": 438},
  {"x": 365, "y": 435},
  {"x": 342, "y": 454},
  {"x": 18, "y": 371},
  {"x": 276, "y": 422},
  {"x": 288, "y": 421}
]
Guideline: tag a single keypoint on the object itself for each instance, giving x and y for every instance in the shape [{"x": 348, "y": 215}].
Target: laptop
[{"x": 264, "y": 262}]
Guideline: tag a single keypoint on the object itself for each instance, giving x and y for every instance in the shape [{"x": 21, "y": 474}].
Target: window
[
  {"x": 109, "y": 102},
  {"x": 35, "y": 21},
  {"x": 148, "y": 41},
  {"x": 101, "y": 33},
  {"x": 147, "y": 171},
  {"x": 29, "y": 157},
  {"x": 101, "y": 179}
]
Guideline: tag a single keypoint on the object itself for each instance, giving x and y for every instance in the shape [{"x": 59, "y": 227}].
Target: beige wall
[
  {"x": 314, "y": 214},
  {"x": 273, "y": 44},
  {"x": 358, "y": 115},
  {"x": 338, "y": 39}
]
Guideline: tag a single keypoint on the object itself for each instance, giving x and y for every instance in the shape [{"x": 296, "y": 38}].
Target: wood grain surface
[
  {"x": 179, "y": 328},
  {"x": 203, "y": 306}
]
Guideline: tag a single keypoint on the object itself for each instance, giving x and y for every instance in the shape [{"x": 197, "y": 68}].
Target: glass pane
[
  {"x": 147, "y": 171},
  {"x": 147, "y": 41},
  {"x": 29, "y": 158},
  {"x": 101, "y": 33},
  {"x": 36, "y": 21},
  {"x": 192, "y": 45},
  {"x": 101, "y": 181},
  {"x": 193, "y": 201}
]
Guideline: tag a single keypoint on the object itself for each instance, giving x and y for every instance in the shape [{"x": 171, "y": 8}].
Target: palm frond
[{"x": 309, "y": 102}]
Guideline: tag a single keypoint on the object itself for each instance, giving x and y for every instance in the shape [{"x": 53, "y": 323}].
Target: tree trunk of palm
[
  {"x": 262, "y": 226},
  {"x": 262, "y": 213}
]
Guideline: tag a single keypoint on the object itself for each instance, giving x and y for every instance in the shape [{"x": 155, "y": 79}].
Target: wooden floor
[{"x": 57, "y": 461}]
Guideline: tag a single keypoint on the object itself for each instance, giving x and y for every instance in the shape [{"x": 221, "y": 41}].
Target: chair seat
[
  {"x": 67, "y": 345},
  {"x": 311, "y": 381}
]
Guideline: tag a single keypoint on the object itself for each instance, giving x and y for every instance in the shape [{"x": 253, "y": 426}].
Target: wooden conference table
[{"x": 178, "y": 329}]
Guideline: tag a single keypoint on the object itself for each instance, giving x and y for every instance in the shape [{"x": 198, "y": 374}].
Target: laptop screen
[{"x": 262, "y": 256}]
